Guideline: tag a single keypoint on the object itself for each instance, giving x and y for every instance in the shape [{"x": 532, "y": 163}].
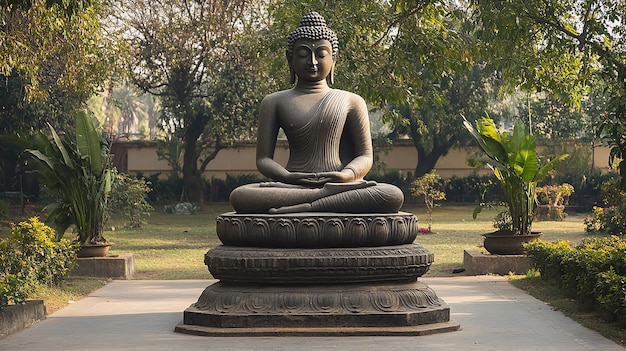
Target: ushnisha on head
[{"x": 312, "y": 26}]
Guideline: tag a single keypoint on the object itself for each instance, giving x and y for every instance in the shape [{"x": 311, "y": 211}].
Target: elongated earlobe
[
  {"x": 292, "y": 74},
  {"x": 332, "y": 74}
]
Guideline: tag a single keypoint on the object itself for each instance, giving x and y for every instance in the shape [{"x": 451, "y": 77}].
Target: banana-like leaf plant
[
  {"x": 80, "y": 170},
  {"x": 514, "y": 161}
]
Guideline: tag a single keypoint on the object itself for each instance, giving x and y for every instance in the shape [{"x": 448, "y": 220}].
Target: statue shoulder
[
  {"x": 275, "y": 98},
  {"x": 352, "y": 97},
  {"x": 356, "y": 101}
]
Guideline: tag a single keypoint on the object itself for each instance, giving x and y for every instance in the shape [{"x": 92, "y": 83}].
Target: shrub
[
  {"x": 4, "y": 209},
  {"x": 220, "y": 189},
  {"x": 129, "y": 198},
  {"x": 610, "y": 219},
  {"x": 182, "y": 208},
  {"x": 548, "y": 257},
  {"x": 473, "y": 189},
  {"x": 611, "y": 293},
  {"x": 552, "y": 200},
  {"x": 169, "y": 189},
  {"x": 29, "y": 257},
  {"x": 593, "y": 271}
]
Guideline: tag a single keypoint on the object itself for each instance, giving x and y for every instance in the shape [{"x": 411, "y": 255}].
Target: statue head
[{"x": 312, "y": 26}]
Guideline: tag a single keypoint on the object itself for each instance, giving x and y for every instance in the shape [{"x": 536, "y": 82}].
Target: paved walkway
[{"x": 141, "y": 315}]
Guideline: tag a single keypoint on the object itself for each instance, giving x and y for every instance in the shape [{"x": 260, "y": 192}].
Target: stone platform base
[
  {"x": 230, "y": 309},
  {"x": 114, "y": 266},
  {"x": 476, "y": 263}
]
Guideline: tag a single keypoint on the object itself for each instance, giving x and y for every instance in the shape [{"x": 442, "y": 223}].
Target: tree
[
  {"x": 198, "y": 58},
  {"x": 429, "y": 185},
  {"x": 562, "y": 47}
]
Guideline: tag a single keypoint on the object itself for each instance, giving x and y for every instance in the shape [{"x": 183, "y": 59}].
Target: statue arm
[
  {"x": 267, "y": 134},
  {"x": 358, "y": 125}
]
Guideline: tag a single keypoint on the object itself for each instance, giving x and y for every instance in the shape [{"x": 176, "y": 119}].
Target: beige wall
[{"x": 142, "y": 157}]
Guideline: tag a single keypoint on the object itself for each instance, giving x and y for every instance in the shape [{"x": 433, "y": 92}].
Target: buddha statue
[{"x": 330, "y": 146}]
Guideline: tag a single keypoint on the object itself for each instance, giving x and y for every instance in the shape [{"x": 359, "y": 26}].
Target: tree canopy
[
  {"x": 52, "y": 59},
  {"x": 198, "y": 58},
  {"x": 564, "y": 48}
]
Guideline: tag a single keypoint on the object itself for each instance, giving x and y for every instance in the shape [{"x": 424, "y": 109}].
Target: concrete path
[{"x": 141, "y": 315}]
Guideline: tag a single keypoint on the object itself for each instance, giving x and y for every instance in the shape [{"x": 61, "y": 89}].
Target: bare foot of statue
[
  {"x": 306, "y": 207},
  {"x": 335, "y": 188}
]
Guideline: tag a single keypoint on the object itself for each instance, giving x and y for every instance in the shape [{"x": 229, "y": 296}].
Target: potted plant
[
  {"x": 80, "y": 170},
  {"x": 513, "y": 159}
]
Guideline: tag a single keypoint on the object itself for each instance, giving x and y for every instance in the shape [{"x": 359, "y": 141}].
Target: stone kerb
[{"x": 14, "y": 318}]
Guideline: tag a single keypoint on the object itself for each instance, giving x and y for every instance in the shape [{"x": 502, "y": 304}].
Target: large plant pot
[
  {"x": 503, "y": 242},
  {"x": 97, "y": 250}
]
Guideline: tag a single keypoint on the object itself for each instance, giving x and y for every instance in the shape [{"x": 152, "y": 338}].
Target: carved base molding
[
  {"x": 345, "y": 265},
  {"x": 316, "y": 229},
  {"x": 231, "y": 309}
]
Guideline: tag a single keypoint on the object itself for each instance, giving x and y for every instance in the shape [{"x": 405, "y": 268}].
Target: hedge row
[
  {"x": 29, "y": 258},
  {"x": 594, "y": 271}
]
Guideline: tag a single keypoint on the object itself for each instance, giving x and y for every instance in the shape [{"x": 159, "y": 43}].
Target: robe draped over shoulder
[{"x": 315, "y": 146}]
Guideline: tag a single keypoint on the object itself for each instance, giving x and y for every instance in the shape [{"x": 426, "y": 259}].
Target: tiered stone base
[{"x": 277, "y": 278}]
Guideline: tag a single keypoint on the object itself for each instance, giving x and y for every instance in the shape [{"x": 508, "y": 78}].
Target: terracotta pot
[
  {"x": 98, "y": 250},
  {"x": 504, "y": 242}
]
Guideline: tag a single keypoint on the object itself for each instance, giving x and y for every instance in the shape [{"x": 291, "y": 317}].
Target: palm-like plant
[
  {"x": 80, "y": 170},
  {"x": 513, "y": 159}
]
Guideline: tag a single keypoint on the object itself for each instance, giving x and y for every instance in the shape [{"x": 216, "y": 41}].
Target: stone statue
[
  {"x": 317, "y": 250},
  {"x": 329, "y": 139}
]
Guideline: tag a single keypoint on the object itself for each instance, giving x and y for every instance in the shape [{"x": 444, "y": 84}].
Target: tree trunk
[
  {"x": 194, "y": 185},
  {"x": 192, "y": 179},
  {"x": 426, "y": 161}
]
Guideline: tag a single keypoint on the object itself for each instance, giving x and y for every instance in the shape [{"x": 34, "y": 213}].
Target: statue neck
[{"x": 312, "y": 87}]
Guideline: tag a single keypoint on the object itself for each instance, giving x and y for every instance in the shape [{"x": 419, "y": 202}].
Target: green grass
[{"x": 170, "y": 246}]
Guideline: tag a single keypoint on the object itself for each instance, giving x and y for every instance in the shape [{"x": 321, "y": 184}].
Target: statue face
[{"x": 312, "y": 60}]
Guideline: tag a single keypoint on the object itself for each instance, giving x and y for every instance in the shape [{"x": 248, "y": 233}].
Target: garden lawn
[{"x": 173, "y": 246}]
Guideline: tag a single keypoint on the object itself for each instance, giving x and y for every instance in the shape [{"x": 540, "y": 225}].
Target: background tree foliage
[
  {"x": 53, "y": 57},
  {"x": 564, "y": 48},
  {"x": 199, "y": 58}
]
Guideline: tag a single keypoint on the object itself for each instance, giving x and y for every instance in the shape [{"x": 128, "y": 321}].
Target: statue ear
[
  {"x": 332, "y": 73},
  {"x": 292, "y": 71}
]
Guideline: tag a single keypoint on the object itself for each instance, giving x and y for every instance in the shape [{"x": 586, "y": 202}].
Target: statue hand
[
  {"x": 306, "y": 179},
  {"x": 338, "y": 177}
]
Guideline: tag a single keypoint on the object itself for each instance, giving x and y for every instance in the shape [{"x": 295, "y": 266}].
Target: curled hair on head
[{"x": 313, "y": 26}]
